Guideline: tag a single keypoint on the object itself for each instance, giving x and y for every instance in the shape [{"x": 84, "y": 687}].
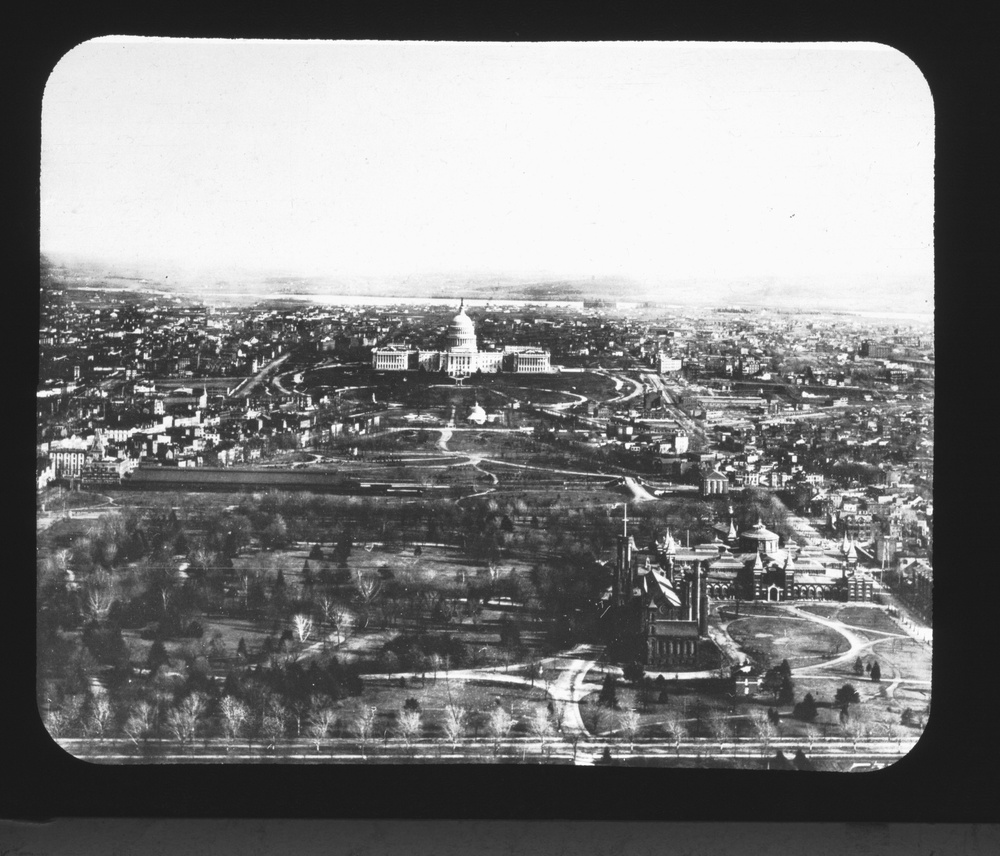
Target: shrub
[
  {"x": 633, "y": 672},
  {"x": 806, "y": 710}
]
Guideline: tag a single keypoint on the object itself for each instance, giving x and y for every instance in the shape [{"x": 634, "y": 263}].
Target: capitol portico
[{"x": 461, "y": 356}]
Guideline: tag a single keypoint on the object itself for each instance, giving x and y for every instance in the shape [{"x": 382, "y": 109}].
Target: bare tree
[
  {"x": 596, "y": 717},
  {"x": 628, "y": 722},
  {"x": 859, "y": 723},
  {"x": 246, "y": 583},
  {"x": 500, "y": 725},
  {"x": 56, "y": 722},
  {"x": 303, "y": 626},
  {"x": 331, "y": 615},
  {"x": 234, "y": 716},
  {"x": 320, "y": 721},
  {"x": 455, "y": 718},
  {"x": 100, "y": 595},
  {"x": 298, "y": 710},
  {"x": 100, "y": 715},
  {"x": 764, "y": 727},
  {"x": 408, "y": 724},
  {"x": 341, "y": 619},
  {"x": 60, "y": 559},
  {"x": 675, "y": 726},
  {"x": 274, "y": 721},
  {"x": 72, "y": 710},
  {"x": 368, "y": 586},
  {"x": 363, "y": 724},
  {"x": 718, "y": 724},
  {"x": 540, "y": 725},
  {"x": 183, "y": 721},
  {"x": 892, "y": 731},
  {"x": 139, "y": 721}
]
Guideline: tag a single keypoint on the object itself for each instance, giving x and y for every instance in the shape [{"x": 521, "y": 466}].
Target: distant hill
[{"x": 901, "y": 295}]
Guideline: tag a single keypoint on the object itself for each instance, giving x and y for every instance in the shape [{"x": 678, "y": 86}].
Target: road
[
  {"x": 566, "y": 749},
  {"x": 858, "y": 645},
  {"x": 247, "y": 385},
  {"x": 568, "y": 688},
  {"x": 639, "y": 493},
  {"x": 670, "y": 404}
]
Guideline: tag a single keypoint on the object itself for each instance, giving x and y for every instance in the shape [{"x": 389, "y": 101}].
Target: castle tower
[
  {"x": 623, "y": 570},
  {"x": 852, "y": 555},
  {"x": 702, "y": 602},
  {"x": 758, "y": 577}
]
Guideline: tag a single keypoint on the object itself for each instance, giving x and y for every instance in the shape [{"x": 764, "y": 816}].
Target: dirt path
[
  {"x": 639, "y": 493},
  {"x": 568, "y": 688}
]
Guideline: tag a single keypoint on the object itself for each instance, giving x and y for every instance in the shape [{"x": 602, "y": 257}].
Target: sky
[{"x": 727, "y": 165}]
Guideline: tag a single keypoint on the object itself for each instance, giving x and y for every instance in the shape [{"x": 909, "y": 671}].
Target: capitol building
[{"x": 461, "y": 356}]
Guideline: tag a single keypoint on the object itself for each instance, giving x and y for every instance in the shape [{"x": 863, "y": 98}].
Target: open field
[{"x": 800, "y": 642}]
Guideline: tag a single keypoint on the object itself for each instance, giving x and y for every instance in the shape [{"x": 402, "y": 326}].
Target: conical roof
[{"x": 670, "y": 546}]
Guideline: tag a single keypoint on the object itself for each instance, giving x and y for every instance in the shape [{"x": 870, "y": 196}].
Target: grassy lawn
[
  {"x": 822, "y": 610},
  {"x": 694, "y": 703},
  {"x": 868, "y": 617},
  {"x": 906, "y": 657},
  {"x": 58, "y": 499},
  {"x": 802, "y": 643}
]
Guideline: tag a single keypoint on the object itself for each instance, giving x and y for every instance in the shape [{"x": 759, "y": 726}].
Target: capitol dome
[{"x": 461, "y": 332}]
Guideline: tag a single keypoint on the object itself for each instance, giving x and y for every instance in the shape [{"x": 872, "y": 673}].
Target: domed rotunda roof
[
  {"x": 757, "y": 532},
  {"x": 462, "y": 332},
  {"x": 462, "y": 322}
]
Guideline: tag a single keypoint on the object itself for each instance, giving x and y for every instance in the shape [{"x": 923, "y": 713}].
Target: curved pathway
[
  {"x": 568, "y": 688},
  {"x": 857, "y": 644}
]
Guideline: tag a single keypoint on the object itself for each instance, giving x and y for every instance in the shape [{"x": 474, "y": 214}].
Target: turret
[{"x": 702, "y": 603}]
